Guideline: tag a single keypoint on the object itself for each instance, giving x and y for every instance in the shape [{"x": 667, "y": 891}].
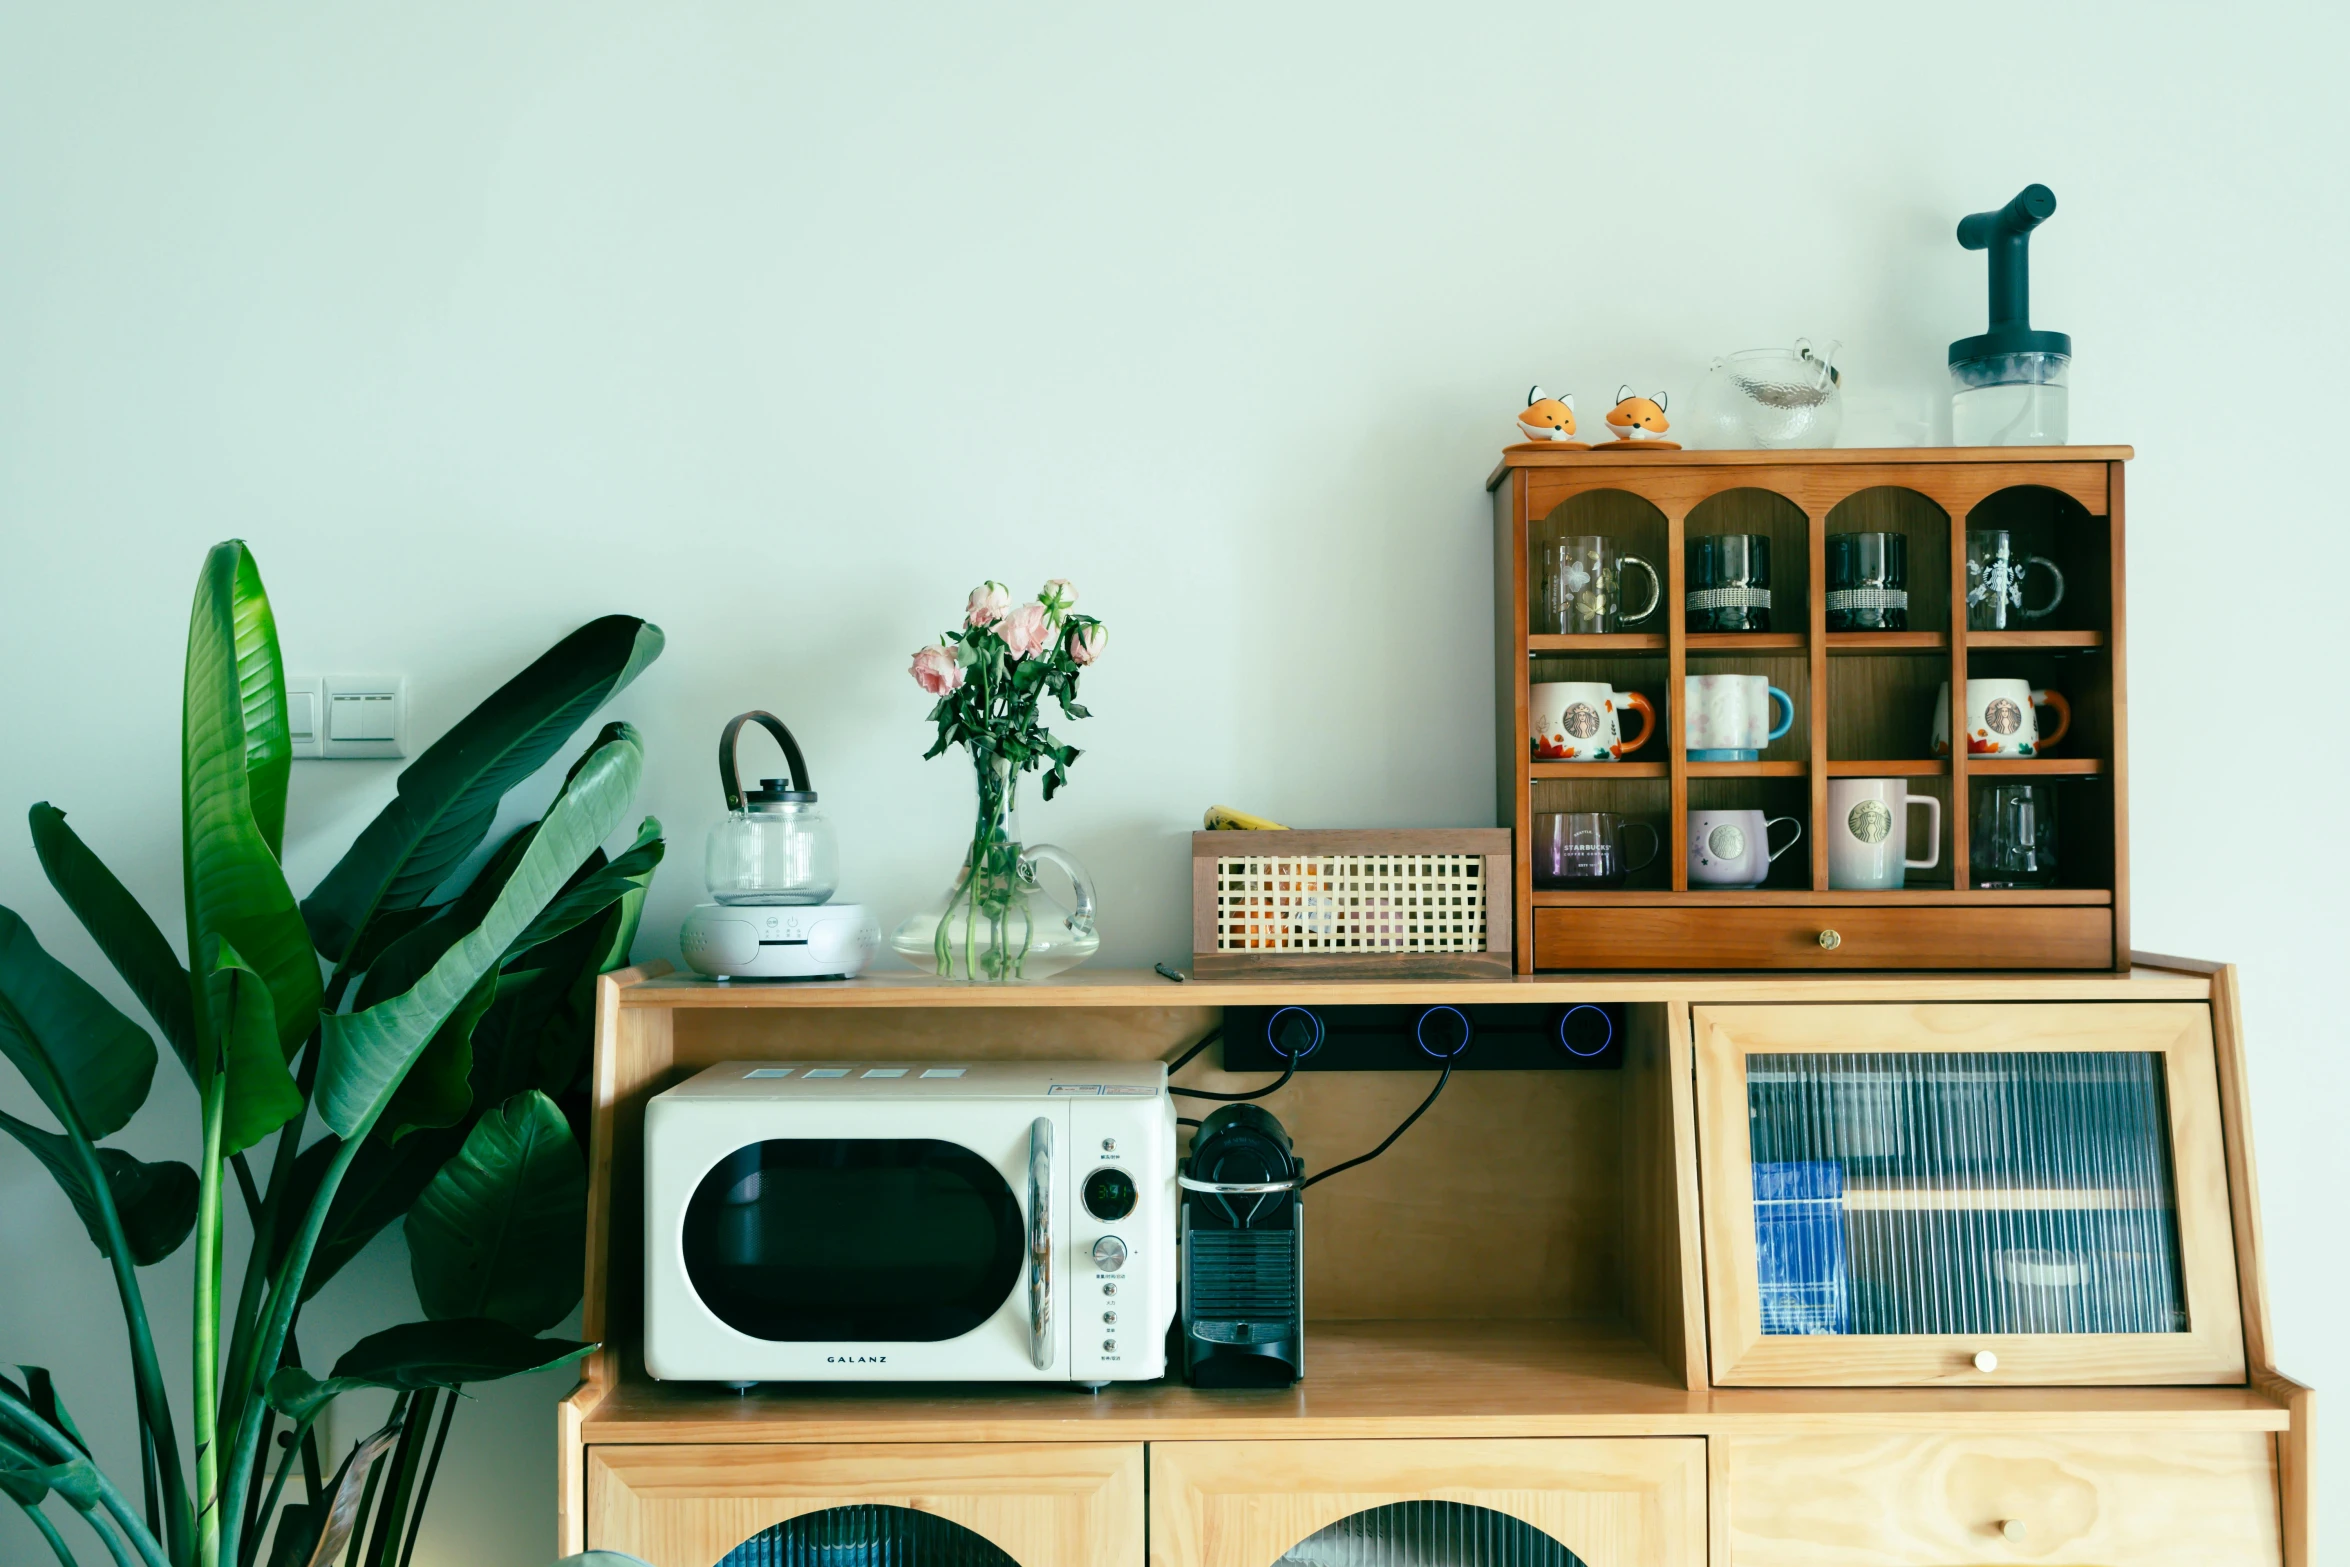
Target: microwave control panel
[{"x": 1121, "y": 1238}]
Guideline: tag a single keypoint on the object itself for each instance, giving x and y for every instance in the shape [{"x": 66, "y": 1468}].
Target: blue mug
[{"x": 1730, "y": 718}]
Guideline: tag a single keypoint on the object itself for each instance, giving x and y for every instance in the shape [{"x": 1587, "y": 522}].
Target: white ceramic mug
[
  {"x": 1727, "y": 718},
  {"x": 2001, "y": 718},
  {"x": 1582, "y": 720},
  {"x": 1868, "y": 833},
  {"x": 1733, "y": 848}
]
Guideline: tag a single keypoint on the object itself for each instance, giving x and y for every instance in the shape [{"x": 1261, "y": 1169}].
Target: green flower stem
[
  {"x": 206, "y": 1349},
  {"x": 62, "y": 1449},
  {"x": 432, "y": 1467},
  {"x": 245, "y": 1378},
  {"x": 277, "y": 1484},
  {"x": 285, "y": 1293},
  {"x": 49, "y": 1532},
  {"x": 105, "y": 1536}
]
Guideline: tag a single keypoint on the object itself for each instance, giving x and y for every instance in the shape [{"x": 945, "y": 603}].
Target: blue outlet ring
[
  {"x": 1560, "y": 1030},
  {"x": 1273, "y": 1032},
  {"x": 1420, "y": 1033}
]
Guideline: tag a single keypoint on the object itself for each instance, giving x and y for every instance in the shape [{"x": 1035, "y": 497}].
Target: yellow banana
[{"x": 1223, "y": 818}]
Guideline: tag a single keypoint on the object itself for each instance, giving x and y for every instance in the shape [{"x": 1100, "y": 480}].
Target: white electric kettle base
[{"x": 781, "y": 941}]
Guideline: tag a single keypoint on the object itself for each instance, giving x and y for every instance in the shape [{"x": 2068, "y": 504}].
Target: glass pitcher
[
  {"x": 773, "y": 846},
  {"x": 1772, "y": 397}
]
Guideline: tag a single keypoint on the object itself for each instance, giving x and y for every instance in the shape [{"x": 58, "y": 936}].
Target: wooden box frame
[
  {"x": 1491, "y": 844},
  {"x": 1797, "y": 921}
]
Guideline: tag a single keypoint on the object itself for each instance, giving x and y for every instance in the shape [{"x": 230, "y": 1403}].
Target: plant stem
[
  {"x": 392, "y": 1512},
  {"x": 375, "y": 1473},
  {"x": 206, "y": 1352},
  {"x": 244, "y": 1376},
  {"x": 105, "y": 1536},
  {"x": 432, "y": 1467},
  {"x": 284, "y": 1297},
  {"x": 63, "y": 1449},
  {"x": 49, "y": 1532},
  {"x": 301, "y": 1435}
]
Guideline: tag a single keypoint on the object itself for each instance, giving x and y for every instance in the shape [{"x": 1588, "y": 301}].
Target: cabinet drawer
[
  {"x": 2188, "y": 1497},
  {"x": 1906, "y": 936},
  {"x": 1041, "y": 1504}
]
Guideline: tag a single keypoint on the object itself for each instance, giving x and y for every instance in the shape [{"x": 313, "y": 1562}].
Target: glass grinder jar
[{"x": 773, "y": 846}]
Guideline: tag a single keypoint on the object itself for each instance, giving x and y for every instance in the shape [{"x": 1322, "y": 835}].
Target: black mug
[
  {"x": 1729, "y": 582},
  {"x": 1868, "y": 582}
]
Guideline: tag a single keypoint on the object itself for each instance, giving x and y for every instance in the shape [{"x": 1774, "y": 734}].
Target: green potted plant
[{"x": 435, "y": 1035}]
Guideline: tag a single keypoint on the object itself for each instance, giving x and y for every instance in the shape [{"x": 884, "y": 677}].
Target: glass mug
[
  {"x": 1995, "y": 581},
  {"x": 2011, "y": 834},
  {"x": 1728, "y": 583},
  {"x": 1868, "y": 582},
  {"x": 1582, "y": 587},
  {"x": 1585, "y": 849}
]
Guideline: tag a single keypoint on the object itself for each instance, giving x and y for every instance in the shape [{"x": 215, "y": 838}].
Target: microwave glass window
[
  {"x": 1964, "y": 1192},
  {"x": 862, "y": 1240},
  {"x": 1425, "y": 1532}
]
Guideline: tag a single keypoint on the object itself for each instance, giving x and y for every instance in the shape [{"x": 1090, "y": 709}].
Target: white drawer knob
[
  {"x": 1986, "y": 1362},
  {"x": 2013, "y": 1528},
  {"x": 1830, "y": 940}
]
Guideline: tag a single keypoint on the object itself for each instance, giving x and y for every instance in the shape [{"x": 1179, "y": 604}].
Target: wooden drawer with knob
[
  {"x": 1823, "y": 936},
  {"x": 2144, "y": 1499}
]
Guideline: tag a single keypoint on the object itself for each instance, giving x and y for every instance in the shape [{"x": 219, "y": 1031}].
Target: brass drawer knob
[
  {"x": 1986, "y": 1362},
  {"x": 2013, "y": 1528},
  {"x": 1830, "y": 941}
]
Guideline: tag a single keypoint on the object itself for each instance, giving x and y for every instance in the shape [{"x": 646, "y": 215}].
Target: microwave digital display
[{"x": 853, "y": 1239}]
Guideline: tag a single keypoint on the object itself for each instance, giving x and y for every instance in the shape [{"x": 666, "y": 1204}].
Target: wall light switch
[
  {"x": 305, "y": 696},
  {"x": 363, "y": 717}
]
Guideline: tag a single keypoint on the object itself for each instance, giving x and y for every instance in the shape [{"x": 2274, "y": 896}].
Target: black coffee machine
[{"x": 1243, "y": 1253}]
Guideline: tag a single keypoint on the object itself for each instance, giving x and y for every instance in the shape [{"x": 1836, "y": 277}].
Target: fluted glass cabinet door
[
  {"x": 1965, "y": 1194},
  {"x": 1566, "y": 1503},
  {"x": 1057, "y": 1504}
]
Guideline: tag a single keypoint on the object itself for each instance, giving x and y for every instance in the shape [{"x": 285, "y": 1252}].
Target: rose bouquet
[{"x": 991, "y": 677}]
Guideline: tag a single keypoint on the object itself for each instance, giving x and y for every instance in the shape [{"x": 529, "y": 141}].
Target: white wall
[{"x": 783, "y": 324}]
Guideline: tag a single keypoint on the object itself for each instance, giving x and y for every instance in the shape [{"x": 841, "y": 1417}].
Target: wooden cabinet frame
[
  {"x": 1048, "y": 1504},
  {"x": 1637, "y": 1502},
  {"x": 2212, "y": 1348}
]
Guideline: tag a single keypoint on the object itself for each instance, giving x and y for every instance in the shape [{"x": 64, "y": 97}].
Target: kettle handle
[{"x": 727, "y": 772}]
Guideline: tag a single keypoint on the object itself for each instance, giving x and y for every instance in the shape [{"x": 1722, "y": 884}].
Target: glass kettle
[{"x": 773, "y": 846}]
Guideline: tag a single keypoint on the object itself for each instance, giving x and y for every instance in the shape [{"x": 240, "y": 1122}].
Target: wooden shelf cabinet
[
  {"x": 1864, "y": 700},
  {"x": 1532, "y": 1322}
]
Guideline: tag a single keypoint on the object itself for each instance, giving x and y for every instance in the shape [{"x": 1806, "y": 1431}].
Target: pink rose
[
  {"x": 936, "y": 671},
  {"x": 1085, "y": 642},
  {"x": 1027, "y": 631},
  {"x": 1058, "y": 595},
  {"x": 987, "y": 604}
]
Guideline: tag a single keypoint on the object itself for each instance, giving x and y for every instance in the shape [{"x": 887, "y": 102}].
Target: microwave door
[{"x": 889, "y": 1240}]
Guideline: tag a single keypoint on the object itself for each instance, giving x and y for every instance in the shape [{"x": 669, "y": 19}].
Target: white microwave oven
[{"x": 836, "y": 1221}]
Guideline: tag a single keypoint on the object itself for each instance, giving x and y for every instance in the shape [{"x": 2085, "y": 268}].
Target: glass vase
[{"x": 997, "y": 924}]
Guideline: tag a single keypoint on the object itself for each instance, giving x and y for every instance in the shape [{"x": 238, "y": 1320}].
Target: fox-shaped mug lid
[{"x": 1549, "y": 420}]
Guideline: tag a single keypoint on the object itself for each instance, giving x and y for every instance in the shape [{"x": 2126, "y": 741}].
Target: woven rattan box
[{"x": 1398, "y": 902}]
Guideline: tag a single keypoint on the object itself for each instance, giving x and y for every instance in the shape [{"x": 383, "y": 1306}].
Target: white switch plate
[{"x": 352, "y": 717}]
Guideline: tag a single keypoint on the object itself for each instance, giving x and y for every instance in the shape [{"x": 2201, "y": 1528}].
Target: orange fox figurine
[
  {"x": 1550, "y": 421},
  {"x": 1637, "y": 418}
]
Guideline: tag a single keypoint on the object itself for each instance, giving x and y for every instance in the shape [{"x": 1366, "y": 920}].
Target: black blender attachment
[{"x": 2008, "y": 383}]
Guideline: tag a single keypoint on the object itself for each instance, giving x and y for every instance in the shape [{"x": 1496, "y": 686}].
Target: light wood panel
[
  {"x": 2178, "y": 1499},
  {"x": 2212, "y": 1348},
  {"x": 1867, "y": 932},
  {"x": 1660, "y": 1267},
  {"x": 1067, "y": 1505},
  {"x": 2296, "y": 1460},
  {"x": 1245, "y": 1504}
]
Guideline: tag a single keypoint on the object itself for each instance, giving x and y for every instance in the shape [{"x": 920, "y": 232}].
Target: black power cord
[
  {"x": 1188, "y": 1056},
  {"x": 1442, "y": 1079}
]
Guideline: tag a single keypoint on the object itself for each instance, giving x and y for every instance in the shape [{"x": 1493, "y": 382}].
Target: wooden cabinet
[
  {"x": 1965, "y": 1194},
  {"x": 2154, "y": 1499},
  {"x": 1040, "y": 1504},
  {"x": 1865, "y": 705},
  {"x": 1628, "y": 1503}
]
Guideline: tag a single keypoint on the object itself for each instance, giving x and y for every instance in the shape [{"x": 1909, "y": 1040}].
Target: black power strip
[{"x": 1499, "y": 1038}]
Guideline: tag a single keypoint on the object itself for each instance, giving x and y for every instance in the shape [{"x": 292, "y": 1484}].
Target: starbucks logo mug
[
  {"x": 2002, "y": 718},
  {"x": 1733, "y": 848},
  {"x": 1868, "y": 833},
  {"x": 1582, "y": 720}
]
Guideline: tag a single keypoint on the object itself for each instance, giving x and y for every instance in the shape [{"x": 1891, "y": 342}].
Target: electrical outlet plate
[{"x": 348, "y": 717}]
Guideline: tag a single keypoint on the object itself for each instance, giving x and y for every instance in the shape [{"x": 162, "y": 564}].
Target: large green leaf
[
  {"x": 419, "y": 1355},
  {"x": 602, "y": 886},
  {"x": 449, "y": 796},
  {"x": 383, "y": 1182},
  {"x": 233, "y": 761},
  {"x": 501, "y": 1230},
  {"x": 261, "y": 1093},
  {"x": 123, "y": 930},
  {"x": 88, "y": 1062},
  {"x": 156, "y": 1202},
  {"x": 366, "y": 1053},
  {"x": 438, "y": 1089}
]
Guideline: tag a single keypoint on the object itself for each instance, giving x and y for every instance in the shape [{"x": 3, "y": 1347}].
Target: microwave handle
[{"x": 1040, "y": 1244}]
